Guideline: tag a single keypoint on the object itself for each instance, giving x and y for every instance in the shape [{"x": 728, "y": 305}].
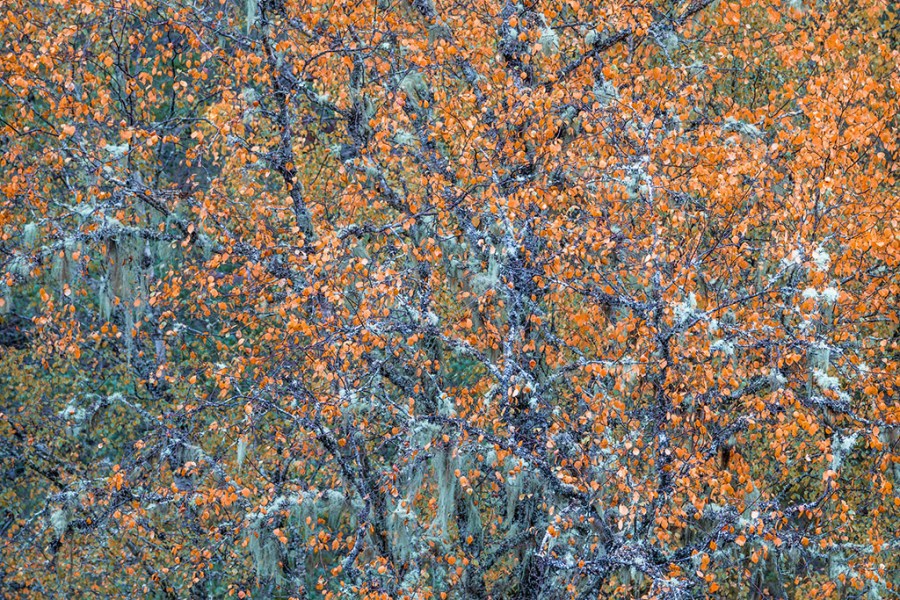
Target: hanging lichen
[
  {"x": 116, "y": 271},
  {"x": 129, "y": 332},
  {"x": 59, "y": 520},
  {"x": 29, "y": 234},
  {"x": 445, "y": 482},
  {"x": 61, "y": 516},
  {"x": 6, "y": 305},
  {"x": 278, "y": 533},
  {"x": 241, "y": 451},
  {"x": 104, "y": 299},
  {"x": 63, "y": 268},
  {"x": 401, "y": 524},
  {"x": 513, "y": 488}
]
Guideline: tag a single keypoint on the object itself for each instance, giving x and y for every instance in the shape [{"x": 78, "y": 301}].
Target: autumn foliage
[{"x": 423, "y": 299}]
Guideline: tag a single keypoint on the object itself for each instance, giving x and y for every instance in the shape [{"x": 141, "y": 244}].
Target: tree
[{"x": 433, "y": 300}]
